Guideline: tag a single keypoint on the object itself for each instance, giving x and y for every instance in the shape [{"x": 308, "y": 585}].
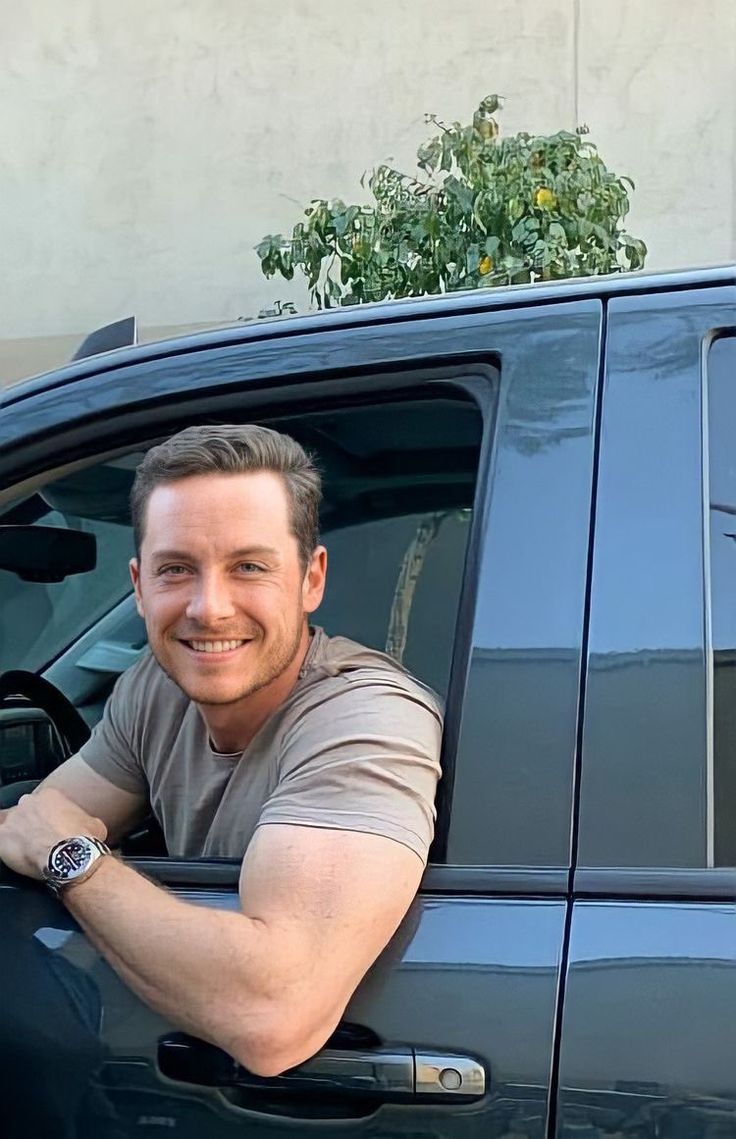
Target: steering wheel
[
  {"x": 147, "y": 838},
  {"x": 70, "y": 725}
]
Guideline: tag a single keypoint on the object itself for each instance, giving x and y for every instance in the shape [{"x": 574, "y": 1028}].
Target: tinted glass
[
  {"x": 721, "y": 392},
  {"x": 646, "y": 787},
  {"x": 410, "y": 614},
  {"x": 38, "y": 620}
]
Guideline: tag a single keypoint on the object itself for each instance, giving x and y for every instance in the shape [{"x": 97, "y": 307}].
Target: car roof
[{"x": 404, "y": 309}]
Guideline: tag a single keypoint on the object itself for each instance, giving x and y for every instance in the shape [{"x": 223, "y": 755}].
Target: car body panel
[
  {"x": 647, "y": 653},
  {"x": 649, "y": 1030},
  {"x": 650, "y": 990},
  {"x": 452, "y": 957},
  {"x": 372, "y": 315},
  {"x": 566, "y": 986},
  {"x": 475, "y": 967}
]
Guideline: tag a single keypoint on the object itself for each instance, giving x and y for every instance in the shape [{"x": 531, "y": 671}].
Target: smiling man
[{"x": 251, "y": 735}]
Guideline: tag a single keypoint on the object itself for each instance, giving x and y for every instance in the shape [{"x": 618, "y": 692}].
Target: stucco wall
[{"x": 145, "y": 147}]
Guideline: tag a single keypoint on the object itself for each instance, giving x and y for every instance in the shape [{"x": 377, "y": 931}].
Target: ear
[
  {"x": 135, "y": 577},
  {"x": 313, "y": 586}
]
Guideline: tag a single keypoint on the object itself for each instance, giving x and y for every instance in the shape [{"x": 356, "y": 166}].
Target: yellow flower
[
  {"x": 545, "y": 199},
  {"x": 485, "y": 265}
]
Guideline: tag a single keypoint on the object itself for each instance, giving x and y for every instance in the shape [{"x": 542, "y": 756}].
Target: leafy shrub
[{"x": 483, "y": 210}]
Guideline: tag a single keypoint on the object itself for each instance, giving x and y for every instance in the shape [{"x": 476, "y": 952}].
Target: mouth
[{"x": 214, "y": 650}]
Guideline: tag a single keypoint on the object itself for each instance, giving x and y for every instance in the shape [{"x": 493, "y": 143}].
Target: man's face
[{"x": 220, "y": 586}]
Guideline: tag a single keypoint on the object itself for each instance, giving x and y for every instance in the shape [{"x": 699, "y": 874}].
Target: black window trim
[{"x": 468, "y": 881}]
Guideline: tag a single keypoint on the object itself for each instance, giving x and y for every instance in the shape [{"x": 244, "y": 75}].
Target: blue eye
[{"x": 250, "y": 567}]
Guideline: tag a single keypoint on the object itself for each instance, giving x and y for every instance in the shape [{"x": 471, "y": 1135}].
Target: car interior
[{"x": 399, "y": 482}]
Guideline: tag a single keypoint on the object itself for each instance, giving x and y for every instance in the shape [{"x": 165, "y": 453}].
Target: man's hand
[{"x": 41, "y": 819}]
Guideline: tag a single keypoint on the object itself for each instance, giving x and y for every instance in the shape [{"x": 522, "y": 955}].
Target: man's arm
[
  {"x": 269, "y": 983},
  {"x": 119, "y": 810},
  {"x": 72, "y": 800}
]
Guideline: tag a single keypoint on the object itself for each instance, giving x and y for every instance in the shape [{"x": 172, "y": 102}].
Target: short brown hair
[{"x": 233, "y": 449}]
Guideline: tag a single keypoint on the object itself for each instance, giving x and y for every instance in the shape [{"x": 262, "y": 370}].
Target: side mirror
[{"x": 46, "y": 553}]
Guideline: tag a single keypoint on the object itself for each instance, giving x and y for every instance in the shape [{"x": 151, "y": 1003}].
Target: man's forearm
[
  {"x": 202, "y": 968},
  {"x": 267, "y": 983}
]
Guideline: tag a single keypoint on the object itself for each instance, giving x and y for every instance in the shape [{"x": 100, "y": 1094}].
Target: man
[{"x": 313, "y": 759}]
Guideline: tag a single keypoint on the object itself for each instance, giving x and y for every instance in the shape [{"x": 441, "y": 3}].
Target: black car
[{"x": 530, "y": 501}]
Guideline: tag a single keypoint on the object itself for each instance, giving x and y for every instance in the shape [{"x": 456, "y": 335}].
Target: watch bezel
[{"x": 57, "y": 875}]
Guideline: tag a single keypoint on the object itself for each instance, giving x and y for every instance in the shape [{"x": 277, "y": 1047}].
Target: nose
[{"x": 210, "y": 600}]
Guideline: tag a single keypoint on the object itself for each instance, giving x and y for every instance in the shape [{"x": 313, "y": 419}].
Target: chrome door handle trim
[
  {"x": 449, "y": 1075},
  {"x": 386, "y": 1074}
]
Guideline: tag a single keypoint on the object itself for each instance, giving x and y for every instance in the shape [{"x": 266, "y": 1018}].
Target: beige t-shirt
[{"x": 354, "y": 747}]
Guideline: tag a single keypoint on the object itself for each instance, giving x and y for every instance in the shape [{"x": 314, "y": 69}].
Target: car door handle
[{"x": 388, "y": 1075}]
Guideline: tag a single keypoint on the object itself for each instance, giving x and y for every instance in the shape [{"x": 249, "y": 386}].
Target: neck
[{"x": 231, "y": 727}]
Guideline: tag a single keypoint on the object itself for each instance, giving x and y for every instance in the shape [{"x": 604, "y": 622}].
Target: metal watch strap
[{"x": 53, "y": 874}]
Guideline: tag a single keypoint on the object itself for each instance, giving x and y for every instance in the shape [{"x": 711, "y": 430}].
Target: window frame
[
  {"x": 474, "y": 383},
  {"x": 455, "y": 336},
  {"x": 652, "y": 424},
  {"x": 708, "y": 345}
]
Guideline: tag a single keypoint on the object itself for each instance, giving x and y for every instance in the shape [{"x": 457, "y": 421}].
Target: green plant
[{"x": 484, "y": 210}]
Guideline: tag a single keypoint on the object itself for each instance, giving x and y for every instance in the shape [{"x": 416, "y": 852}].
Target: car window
[
  {"x": 412, "y": 618},
  {"x": 399, "y": 484},
  {"x": 39, "y": 619},
  {"x": 657, "y": 739},
  {"x": 721, "y": 536}
]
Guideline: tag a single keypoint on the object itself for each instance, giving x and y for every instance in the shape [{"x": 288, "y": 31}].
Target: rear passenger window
[
  {"x": 407, "y": 571},
  {"x": 399, "y": 483},
  {"x": 721, "y": 483}
]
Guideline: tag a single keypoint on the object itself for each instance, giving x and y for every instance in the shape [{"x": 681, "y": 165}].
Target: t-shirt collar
[{"x": 317, "y": 639}]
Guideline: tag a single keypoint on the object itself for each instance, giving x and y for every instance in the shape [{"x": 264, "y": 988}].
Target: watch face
[{"x": 70, "y": 859}]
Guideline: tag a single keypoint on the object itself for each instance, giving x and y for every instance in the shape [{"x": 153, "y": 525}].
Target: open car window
[{"x": 399, "y": 484}]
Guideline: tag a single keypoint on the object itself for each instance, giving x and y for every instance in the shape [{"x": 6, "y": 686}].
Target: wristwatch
[{"x": 73, "y": 860}]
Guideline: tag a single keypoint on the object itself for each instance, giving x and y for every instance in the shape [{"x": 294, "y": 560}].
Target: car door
[
  {"x": 649, "y": 1027},
  {"x": 454, "y": 1031}
]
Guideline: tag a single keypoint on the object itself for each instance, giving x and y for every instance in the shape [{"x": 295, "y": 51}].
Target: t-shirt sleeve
[
  {"x": 364, "y": 758},
  {"x": 113, "y": 749}
]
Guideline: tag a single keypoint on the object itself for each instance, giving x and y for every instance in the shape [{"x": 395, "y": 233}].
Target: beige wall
[{"x": 147, "y": 145}]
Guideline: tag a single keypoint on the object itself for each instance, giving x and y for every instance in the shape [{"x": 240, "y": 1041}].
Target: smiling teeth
[{"x": 215, "y": 646}]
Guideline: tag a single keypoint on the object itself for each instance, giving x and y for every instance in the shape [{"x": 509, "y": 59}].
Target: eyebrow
[{"x": 244, "y": 552}]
